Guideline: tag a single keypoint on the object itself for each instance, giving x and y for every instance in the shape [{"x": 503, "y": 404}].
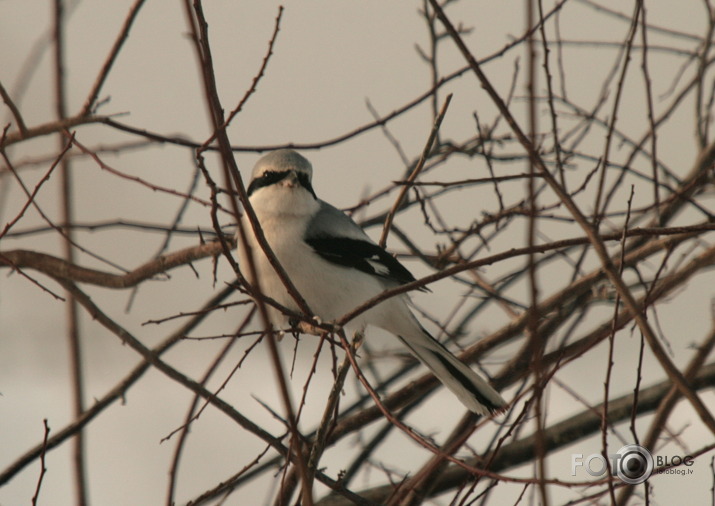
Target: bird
[{"x": 336, "y": 266}]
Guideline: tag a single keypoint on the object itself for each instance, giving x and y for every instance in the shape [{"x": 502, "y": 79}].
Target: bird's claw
[{"x": 309, "y": 328}]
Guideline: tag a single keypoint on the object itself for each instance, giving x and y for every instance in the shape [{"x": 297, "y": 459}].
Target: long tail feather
[{"x": 469, "y": 387}]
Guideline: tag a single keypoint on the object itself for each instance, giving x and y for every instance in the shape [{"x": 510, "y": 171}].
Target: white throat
[{"x": 284, "y": 202}]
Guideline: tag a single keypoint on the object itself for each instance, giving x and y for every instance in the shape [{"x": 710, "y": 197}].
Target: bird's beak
[{"x": 291, "y": 180}]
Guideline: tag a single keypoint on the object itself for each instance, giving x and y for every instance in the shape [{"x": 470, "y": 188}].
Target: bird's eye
[
  {"x": 266, "y": 179},
  {"x": 271, "y": 177}
]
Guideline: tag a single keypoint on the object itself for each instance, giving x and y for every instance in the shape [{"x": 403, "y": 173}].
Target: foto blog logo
[{"x": 633, "y": 464}]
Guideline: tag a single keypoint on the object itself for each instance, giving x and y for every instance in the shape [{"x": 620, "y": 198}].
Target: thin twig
[
  {"x": 67, "y": 215},
  {"x": 559, "y": 435},
  {"x": 193, "y": 414},
  {"x": 111, "y": 58},
  {"x": 321, "y": 434},
  {"x": 43, "y": 468},
  {"x": 13, "y": 110},
  {"x": 536, "y": 343},
  {"x": 597, "y": 208},
  {"x": 49, "y": 128},
  {"x": 31, "y": 198},
  {"x": 607, "y": 264},
  {"x": 115, "y": 394},
  {"x": 415, "y": 172},
  {"x": 609, "y": 364},
  {"x": 135, "y": 179},
  {"x": 232, "y": 179},
  {"x": 648, "y": 84}
]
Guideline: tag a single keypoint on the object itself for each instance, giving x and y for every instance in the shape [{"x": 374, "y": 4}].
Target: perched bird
[{"x": 336, "y": 267}]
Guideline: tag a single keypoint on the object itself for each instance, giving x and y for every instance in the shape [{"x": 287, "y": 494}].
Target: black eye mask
[{"x": 270, "y": 177}]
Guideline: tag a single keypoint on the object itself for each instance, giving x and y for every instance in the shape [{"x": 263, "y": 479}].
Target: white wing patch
[{"x": 376, "y": 263}]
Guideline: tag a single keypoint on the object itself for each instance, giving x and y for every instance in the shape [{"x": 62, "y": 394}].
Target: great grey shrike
[{"x": 336, "y": 267}]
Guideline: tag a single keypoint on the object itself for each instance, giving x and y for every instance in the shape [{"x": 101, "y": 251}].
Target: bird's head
[
  {"x": 281, "y": 170},
  {"x": 281, "y": 183}
]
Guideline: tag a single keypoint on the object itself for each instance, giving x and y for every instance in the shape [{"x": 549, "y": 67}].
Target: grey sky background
[{"x": 330, "y": 57}]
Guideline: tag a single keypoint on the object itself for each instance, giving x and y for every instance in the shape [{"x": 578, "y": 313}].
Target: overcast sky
[{"x": 330, "y": 58}]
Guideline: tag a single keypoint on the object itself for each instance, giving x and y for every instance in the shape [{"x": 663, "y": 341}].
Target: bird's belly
[{"x": 330, "y": 290}]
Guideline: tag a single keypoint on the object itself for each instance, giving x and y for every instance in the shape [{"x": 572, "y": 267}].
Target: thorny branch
[{"x": 619, "y": 235}]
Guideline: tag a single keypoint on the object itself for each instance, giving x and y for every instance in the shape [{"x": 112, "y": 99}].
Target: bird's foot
[{"x": 308, "y": 328}]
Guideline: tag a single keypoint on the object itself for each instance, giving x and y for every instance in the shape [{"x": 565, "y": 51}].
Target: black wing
[{"x": 361, "y": 255}]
